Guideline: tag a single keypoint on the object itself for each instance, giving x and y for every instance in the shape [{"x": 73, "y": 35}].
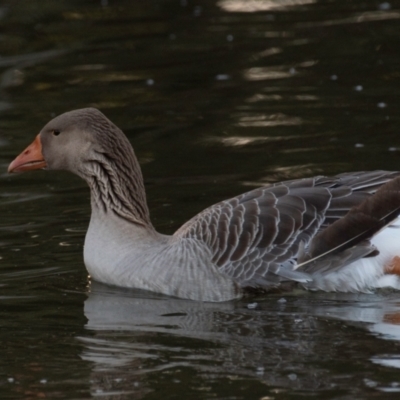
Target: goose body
[{"x": 336, "y": 233}]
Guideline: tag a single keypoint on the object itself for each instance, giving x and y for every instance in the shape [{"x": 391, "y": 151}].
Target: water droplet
[
  {"x": 385, "y": 6},
  {"x": 370, "y": 383},
  {"x": 282, "y": 300},
  {"x": 222, "y": 77}
]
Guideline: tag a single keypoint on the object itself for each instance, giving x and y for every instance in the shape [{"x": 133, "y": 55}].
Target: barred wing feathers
[{"x": 257, "y": 237}]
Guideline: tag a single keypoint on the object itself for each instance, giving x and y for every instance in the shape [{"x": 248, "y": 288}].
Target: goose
[{"x": 337, "y": 233}]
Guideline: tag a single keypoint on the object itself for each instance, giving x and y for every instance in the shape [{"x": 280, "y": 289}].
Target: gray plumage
[
  {"x": 257, "y": 237},
  {"x": 293, "y": 231}
]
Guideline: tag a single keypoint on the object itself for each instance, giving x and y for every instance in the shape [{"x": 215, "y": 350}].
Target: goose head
[
  {"x": 71, "y": 141},
  {"x": 86, "y": 143}
]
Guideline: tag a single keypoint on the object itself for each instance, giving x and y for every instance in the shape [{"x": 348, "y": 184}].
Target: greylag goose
[{"x": 323, "y": 233}]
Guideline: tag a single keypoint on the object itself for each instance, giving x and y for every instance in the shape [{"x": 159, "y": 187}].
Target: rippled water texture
[{"x": 217, "y": 97}]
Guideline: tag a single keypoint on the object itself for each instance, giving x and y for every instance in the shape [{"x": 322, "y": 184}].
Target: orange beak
[{"x": 31, "y": 158}]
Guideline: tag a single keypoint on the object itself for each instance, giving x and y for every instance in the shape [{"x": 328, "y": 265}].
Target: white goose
[{"x": 296, "y": 231}]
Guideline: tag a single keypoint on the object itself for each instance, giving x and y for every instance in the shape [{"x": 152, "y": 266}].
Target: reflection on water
[
  {"x": 260, "y": 5},
  {"x": 217, "y": 97},
  {"x": 280, "y": 341},
  {"x": 358, "y": 18}
]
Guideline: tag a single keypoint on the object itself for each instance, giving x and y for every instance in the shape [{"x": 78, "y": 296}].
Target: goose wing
[{"x": 257, "y": 237}]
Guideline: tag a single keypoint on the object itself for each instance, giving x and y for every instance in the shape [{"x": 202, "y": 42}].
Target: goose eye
[{"x": 56, "y": 132}]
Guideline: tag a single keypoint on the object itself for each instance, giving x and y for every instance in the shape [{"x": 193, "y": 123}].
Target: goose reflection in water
[{"x": 279, "y": 342}]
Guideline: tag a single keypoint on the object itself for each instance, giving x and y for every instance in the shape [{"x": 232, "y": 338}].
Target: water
[{"x": 217, "y": 97}]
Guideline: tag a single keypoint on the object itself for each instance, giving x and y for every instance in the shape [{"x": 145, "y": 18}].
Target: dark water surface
[{"x": 217, "y": 97}]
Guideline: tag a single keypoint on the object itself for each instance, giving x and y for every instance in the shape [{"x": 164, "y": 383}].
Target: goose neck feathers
[{"x": 90, "y": 145}]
